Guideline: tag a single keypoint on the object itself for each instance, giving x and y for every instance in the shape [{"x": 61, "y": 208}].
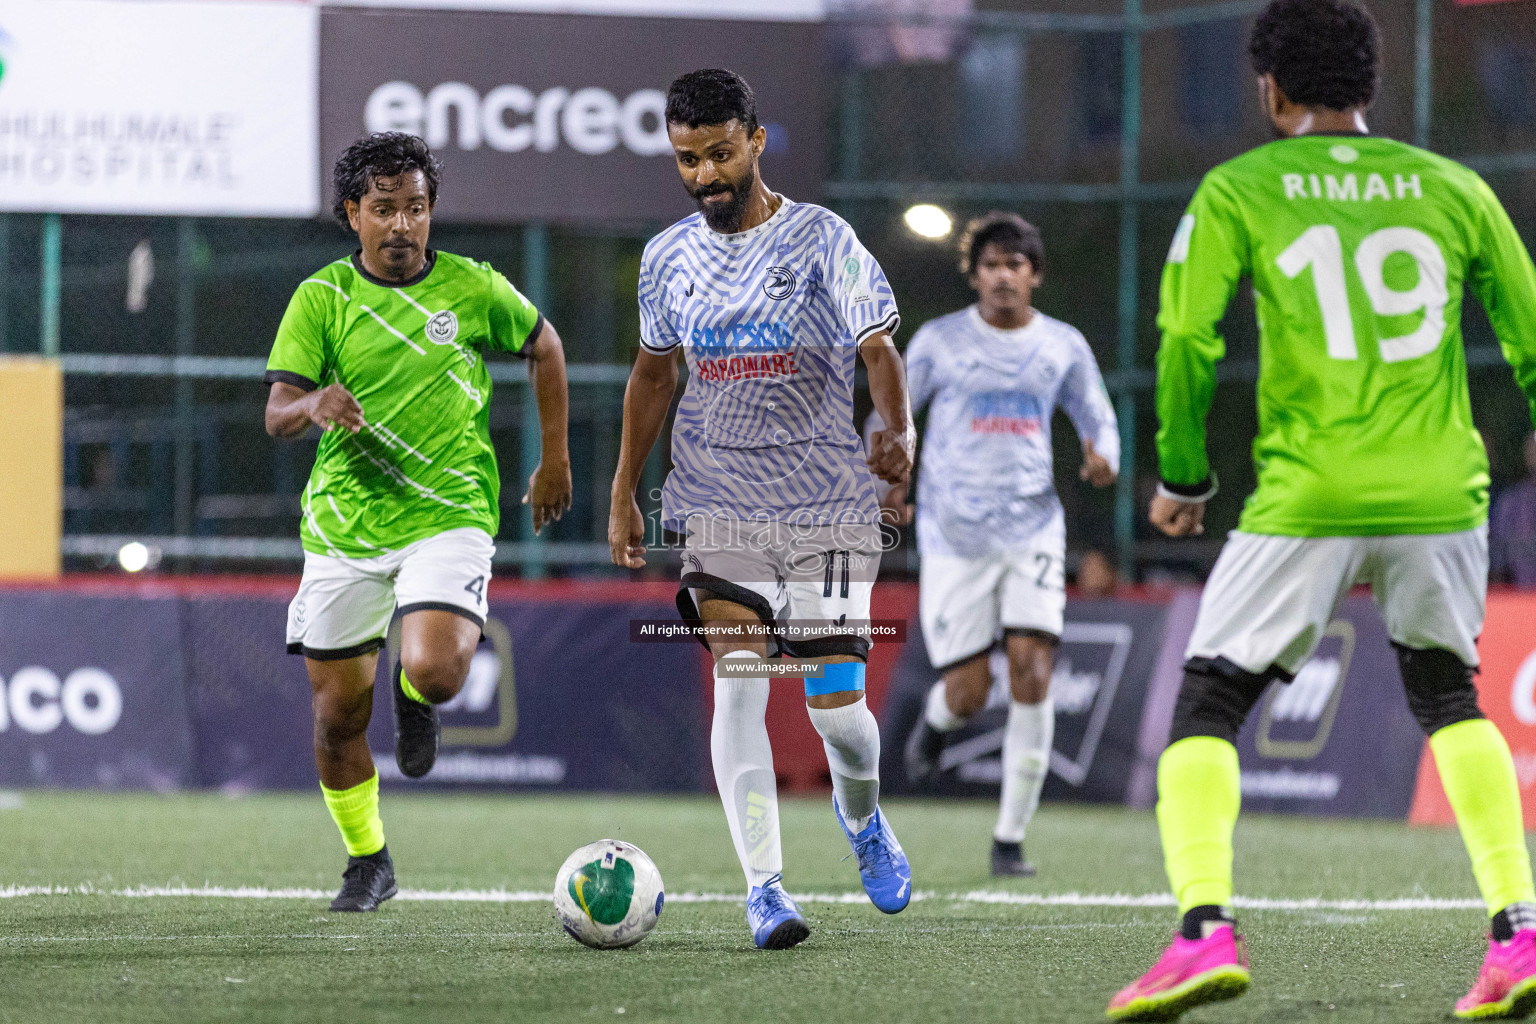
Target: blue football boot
[
  {"x": 883, "y": 866},
  {"x": 775, "y": 920}
]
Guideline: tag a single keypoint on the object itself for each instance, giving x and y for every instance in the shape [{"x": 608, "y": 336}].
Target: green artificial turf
[{"x": 86, "y": 957}]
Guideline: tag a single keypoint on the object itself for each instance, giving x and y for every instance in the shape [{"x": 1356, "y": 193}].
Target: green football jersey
[
  {"x": 1358, "y": 249},
  {"x": 412, "y": 356}
]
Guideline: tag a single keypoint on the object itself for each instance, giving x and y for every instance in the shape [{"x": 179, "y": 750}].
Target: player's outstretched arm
[
  {"x": 1087, "y": 405},
  {"x": 891, "y": 454},
  {"x": 549, "y": 488},
  {"x": 1504, "y": 280},
  {"x": 291, "y": 409},
  {"x": 647, "y": 397},
  {"x": 1205, "y": 262}
]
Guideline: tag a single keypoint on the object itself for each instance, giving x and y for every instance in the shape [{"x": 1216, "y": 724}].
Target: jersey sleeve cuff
[
  {"x": 659, "y": 350},
  {"x": 891, "y": 322},
  {"x": 523, "y": 350},
  {"x": 298, "y": 380},
  {"x": 1191, "y": 494}
]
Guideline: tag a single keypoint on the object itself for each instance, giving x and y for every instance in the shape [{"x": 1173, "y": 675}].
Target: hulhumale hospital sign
[
  {"x": 158, "y": 108},
  {"x": 560, "y": 116}
]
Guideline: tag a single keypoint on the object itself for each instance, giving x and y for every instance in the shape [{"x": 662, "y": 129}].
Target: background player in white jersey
[
  {"x": 989, "y": 525},
  {"x": 771, "y": 301}
]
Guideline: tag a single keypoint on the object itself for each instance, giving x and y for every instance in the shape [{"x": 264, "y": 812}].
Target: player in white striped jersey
[
  {"x": 989, "y": 525},
  {"x": 771, "y": 302}
]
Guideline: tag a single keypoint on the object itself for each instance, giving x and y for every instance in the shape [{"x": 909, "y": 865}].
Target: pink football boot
[
  {"x": 1191, "y": 973},
  {"x": 1506, "y": 986}
]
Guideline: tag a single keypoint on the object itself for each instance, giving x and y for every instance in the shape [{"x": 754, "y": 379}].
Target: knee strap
[
  {"x": 836, "y": 678},
  {"x": 1440, "y": 689},
  {"x": 1216, "y": 698}
]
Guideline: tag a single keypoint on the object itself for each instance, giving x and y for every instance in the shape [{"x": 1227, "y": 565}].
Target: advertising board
[
  {"x": 1107, "y": 653},
  {"x": 84, "y": 702},
  {"x": 158, "y": 107},
  {"x": 560, "y": 117},
  {"x": 184, "y": 686}
]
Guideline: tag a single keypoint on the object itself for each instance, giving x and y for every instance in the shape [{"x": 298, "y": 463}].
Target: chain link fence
[{"x": 1095, "y": 124}]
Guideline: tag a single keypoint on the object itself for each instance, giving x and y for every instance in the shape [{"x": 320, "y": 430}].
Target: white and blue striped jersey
[
  {"x": 985, "y": 478},
  {"x": 769, "y": 320}
]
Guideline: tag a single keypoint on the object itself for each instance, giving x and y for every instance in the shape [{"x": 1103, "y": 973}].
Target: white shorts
[
  {"x": 344, "y": 605},
  {"x": 1270, "y": 598},
  {"x": 810, "y": 577},
  {"x": 966, "y": 604}
]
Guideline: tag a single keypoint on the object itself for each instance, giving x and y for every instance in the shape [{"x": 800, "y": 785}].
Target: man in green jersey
[
  {"x": 384, "y": 351},
  {"x": 1369, "y": 471}
]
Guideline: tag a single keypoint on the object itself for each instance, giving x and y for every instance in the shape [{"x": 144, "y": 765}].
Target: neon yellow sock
[
  {"x": 356, "y": 812},
  {"x": 410, "y": 691},
  {"x": 1197, "y": 801},
  {"x": 1479, "y": 778}
]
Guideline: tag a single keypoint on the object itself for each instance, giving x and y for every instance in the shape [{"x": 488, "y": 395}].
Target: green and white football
[{"x": 608, "y": 894}]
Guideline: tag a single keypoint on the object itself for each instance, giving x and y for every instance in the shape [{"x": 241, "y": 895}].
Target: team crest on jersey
[
  {"x": 443, "y": 327},
  {"x": 853, "y": 274},
  {"x": 780, "y": 283}
]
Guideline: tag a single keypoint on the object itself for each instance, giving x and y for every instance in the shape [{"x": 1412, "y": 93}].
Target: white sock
[
  {"x": 743, "y": 759},
  {"x": 938, "y": 714},
  {"x": 1026, "y": 759},
  {"x": 852, "y": 741}
]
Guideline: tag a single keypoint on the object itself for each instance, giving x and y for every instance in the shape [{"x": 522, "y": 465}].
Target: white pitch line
[
  {"x": 1072, "y": 899},
  {"x": 33, "y": 940},
  {"x": 1024, "y": 899}
]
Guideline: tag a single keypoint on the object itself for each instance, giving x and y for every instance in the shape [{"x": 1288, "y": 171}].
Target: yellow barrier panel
[{"x": 31, "y": 466}]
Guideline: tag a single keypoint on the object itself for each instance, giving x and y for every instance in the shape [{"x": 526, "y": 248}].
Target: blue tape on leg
[{"x": 839, "y": 678}]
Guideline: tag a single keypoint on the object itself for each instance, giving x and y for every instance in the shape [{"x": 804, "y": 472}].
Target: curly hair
[
  {"x": 1007, "y": 231},
  {"x": 1323, "y": 53},
  {"x": 381, "y": 155},
  {"x": 711, "y": 96}
]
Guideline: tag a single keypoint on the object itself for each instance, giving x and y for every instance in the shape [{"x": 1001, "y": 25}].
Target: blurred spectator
[
  {"x": 1512, "y": 528},
  {"x": 1096, "y": 576}
]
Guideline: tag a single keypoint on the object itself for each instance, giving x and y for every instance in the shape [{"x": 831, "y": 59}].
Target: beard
[
  {"x": 398, "y": 253},
  {"x": 726, "y": 217}
]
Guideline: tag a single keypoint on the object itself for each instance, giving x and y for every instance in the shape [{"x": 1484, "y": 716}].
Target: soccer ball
[{"x": 608, "y": 894}]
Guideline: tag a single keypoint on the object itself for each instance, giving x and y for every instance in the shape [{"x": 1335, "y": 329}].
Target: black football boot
[{"x": 367, "y": 882}]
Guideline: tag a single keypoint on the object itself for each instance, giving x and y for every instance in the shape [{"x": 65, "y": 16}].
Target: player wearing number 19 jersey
[{"x": 1369, "y": 471}]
